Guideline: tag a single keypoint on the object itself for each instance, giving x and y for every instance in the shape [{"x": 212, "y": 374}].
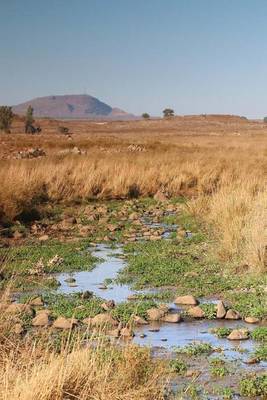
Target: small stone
[
  {"x": 192, "y": 373},
  {"x": 252, "y": 360},
  {"x": 172, "y": 318},
  {"x": 18, "y": 329},
  {"x": 87, "y": 295},
  {"x": 17, "y": 308},
  {"x": 154, "y": 329},
  {"x": 164, "y": 340},
  {"x": 196, "y": 312},
  {"x": 114, "y": 333},
  {"x": 43, "y": 238},
  {"x": 108, "y": 305},
  {"x": 238, "y": 334},
  {"x": 70, "y": 280},
  {"x": 72, "y": 284},
  {"x": 142, "y": 336},
  {"x": 17, "y": 235},
  {"x": 132, "y": 297},
  {"x": 160, "y": 196},
  {"x": 139, "y": 320},
  {"x": 251, "y": 320},
  {"x": 102, "y": 287},
  {"x": 221, "y": 310},
  {"x": 231, "y": 314},
  {"x": 186, "y": 300},
  {"x": 103, "y": 319}
]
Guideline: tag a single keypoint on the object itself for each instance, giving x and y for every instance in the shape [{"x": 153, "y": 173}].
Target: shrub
[{"x": 6, "y": 117}]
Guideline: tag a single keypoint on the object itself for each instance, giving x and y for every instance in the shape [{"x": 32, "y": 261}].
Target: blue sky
[{"x": 196, "y": 56}]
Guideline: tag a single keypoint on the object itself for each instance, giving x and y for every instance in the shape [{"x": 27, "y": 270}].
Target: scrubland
[{"x": 217, "y": 163}]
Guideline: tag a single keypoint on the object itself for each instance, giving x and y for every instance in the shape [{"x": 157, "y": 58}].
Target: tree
[
  {"x": 168, "y": 112},
  {"x": 265, "y": 120},
  {"x": 29, "y": 120},
  {"x": 146, "y": 116},
  {"x": 6, "y": 118}
]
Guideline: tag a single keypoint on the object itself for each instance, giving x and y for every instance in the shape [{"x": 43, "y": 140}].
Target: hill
[{"x": 72, "y": 107}]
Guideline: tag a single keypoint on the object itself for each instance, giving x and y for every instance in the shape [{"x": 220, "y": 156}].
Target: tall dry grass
[{"x": 224, "y": 178}]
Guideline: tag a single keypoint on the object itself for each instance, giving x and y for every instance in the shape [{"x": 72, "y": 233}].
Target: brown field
[{"x": 218, "y": 163}]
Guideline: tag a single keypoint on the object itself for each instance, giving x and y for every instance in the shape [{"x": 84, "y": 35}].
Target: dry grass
[{"x": 222, "y": 171}]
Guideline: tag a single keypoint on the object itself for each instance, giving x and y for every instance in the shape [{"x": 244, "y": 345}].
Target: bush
[{"x": 6, "y": 117}]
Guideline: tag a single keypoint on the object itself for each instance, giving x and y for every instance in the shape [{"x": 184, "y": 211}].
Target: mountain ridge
[{"x": 72, "y": 106}]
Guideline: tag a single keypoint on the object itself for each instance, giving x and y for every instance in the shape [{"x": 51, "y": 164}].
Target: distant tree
[
  {"x": 265, "y": 119},
  {"x": 6, "y": 118},
  {"x": 146, "y": 116},
  {"x": 168, "y": 112},
  {"x": 29, "y": 120}
]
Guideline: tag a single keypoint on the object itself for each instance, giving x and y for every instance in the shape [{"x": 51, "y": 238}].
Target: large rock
[
  {"x": 64, "y": 323},
  {"x": 172, "y": 318},
  {"x": 155, "y": 314},
  {"x": 196, "y": 312},
  {"x": 251, "y": 320},
  {"x": 232, "y": 314},
  {"x": 41, "y": 319},
  {"x": 238, "y": 334},
  {"x": 221, "y": 310},
  {"x": 37, "y": 301},
  {"x": 103, "y": 320},
  {"x": 186, "y": 300},
  {"x": 18, "y": 308}
]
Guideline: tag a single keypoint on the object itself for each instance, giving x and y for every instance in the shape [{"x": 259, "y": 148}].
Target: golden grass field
[{"x": 218, "y": 163}]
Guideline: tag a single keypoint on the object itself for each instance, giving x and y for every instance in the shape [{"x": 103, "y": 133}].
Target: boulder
[
  {"x": 41, "y": 319},
  {"x": 238, "y": 334},
  {"x": 186, "y": 300},
  {"x": 103, "y": 319},
  {"x": 196, "y": 312},
  {"x": 251, "y": 320},
  {"x": 172, "y": 318},
  {"x": 155, "y": 314},
  {"x": 17, "y": 308},
  {"x": 232, "y": 314},
  {"x": 221, "y": 310},
  {"x": 37, "y": 301},
  {"x": 64, "y": 323}
]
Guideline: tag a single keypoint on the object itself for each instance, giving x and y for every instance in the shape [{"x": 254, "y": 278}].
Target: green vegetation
[
  {"x": 72, "y": 305},
  {"x": 227, "y": 393},
  {"x": 260, "y": 334},
  {"x": 218, "y": 367},
  {"x": 178, "y": 366},
  {"x": 124, "y": 312},
  {"x": 22, "y": 260},
  {"x": 251, "y": 304},
  {"x": 168, "y": 112},
  {"x": 254, "y": 386},
  {"x": 221, "y": 332},
  {"x": 195, "y": 349},
  {"x": 6, "y": 118},
  {"x": 261, "y": 352},
  {"x": 209, "y": 310},
  {"x": 29, "y": 120},
  {"x": 145, "y": 116}
]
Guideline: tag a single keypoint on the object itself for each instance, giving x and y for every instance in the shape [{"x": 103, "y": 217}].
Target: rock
[
  {"x": 181, "y": 233},
  {"x": 103, "y": 319},
  {"x": 38, "y": 269},
  {"x": 196, "y": 312},
  {"x": 192, "y": 373},
  {"x": 252, "y": 360},
  {"x": 221, "y": 310},
  {"x": 172, "y": 318},
  {"x": 17, "y": 308},
  {"x": 231, "y": 314},
  {"x": 155, "y": 314},
  {"x": 133, "y": 216},
  {"x": 139, "y": 320},
  {"x": 132, "y": 297},
  {"x": 37, "y": 301},
  {"x": 102, "y": 287},
  {"x": 17, "y": 235},
  {"x": 142, "y": 336},
  {"x": 43, "y": 238},
  {"x": 64, "y": 323},
  {"x": 186, "y": 300},
  {"x": 126, "y": 333},
  {"x": 87, "y": 295},
  {"x": 108, "y": 305},
  {"x": 76, "y": 150},
  {"x": 72, "y": 284},
  {"x": 160, "y": 196},
  {"x": 238, "y": 334},
  {"x": 18, "y": 329},
  {"x": 41, "y": 319},
  {"x": 251, "y": 320},
  {"x": 112, "y": 227},
  {"x": 69, "y": 280}
]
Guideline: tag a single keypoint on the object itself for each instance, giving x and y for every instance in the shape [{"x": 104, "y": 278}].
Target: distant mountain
[{"x": 80, "y": 106}]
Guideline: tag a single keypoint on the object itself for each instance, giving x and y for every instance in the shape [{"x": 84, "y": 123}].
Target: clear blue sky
[{"x": 196, "y": 56}]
